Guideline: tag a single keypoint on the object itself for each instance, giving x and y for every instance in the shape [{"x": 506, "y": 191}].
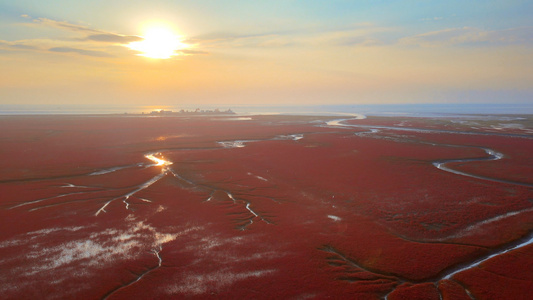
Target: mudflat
[{"x": 264, "y": 207}]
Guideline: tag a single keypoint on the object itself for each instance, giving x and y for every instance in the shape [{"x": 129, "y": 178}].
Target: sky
[{"x": 289, "y": 52}]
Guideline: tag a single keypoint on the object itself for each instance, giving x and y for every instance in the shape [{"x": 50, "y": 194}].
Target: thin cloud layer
[
  {"x": 80, "y": 51},
  {"x": 360, "y": 34},
  {"x": 470, "y": 36},
  {"x": 89, "y": 41},
  {"x": 192, "y": 52},
  {"x": 64, "y": 25},
  {"x": 16, "y": 46},
  {"x": 114, "y": 38}
]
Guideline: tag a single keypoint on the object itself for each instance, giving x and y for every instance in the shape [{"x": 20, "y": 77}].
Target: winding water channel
[{"x": 442, "y": 164}]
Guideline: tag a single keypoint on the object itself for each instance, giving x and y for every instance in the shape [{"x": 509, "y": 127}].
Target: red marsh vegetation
[{"x": 121, "y": 207}]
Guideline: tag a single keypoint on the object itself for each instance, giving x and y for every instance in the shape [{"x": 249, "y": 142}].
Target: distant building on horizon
[{"x": 161, "y": 112}]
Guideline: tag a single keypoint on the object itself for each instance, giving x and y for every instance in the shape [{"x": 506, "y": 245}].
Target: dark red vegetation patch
[
  {"x": 504, "y": 277},
  {"x": 426, "y": 291},
  {"x": 452, "y": 290}
]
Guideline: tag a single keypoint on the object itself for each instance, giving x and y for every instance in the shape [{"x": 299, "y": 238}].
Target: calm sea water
[{"x": 383, "y": 110}]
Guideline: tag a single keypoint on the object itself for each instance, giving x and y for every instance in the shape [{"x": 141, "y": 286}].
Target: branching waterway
[
  {"x": 443, "y": 165},
  {"x": 164, "y": 171},
  {"x": 125, "y": 195}
]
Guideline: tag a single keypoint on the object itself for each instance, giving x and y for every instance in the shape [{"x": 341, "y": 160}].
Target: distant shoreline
[
  {"x": 325, "y": 114},
  {"x": 403, "y": 110}
]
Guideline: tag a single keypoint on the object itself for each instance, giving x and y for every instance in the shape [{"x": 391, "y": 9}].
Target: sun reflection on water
[{"x": 157, "y": 160}]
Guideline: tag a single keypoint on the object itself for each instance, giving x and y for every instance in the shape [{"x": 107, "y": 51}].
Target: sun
[{"x": 158, "y": 42}]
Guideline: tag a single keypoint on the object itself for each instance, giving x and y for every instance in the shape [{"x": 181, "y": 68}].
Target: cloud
[
  {"x": 192, "y": 52},
  {"x": 88, "y": 42},
  {"x": 470, "y": 36},
  {"x": 85, "y": 45},
  {"x": 24, "y": 47},
  {"x": 80, "y": 51},
  {"x": 114, "y": 38},
  {"x": 16, "y": 46},
  {"x": 236, "y": 40},
  {"x": 225, "y": 37},
  {"x": 65, "y": 25},
  {"x": 512, "y": 35},
  {"x": 435, "y": 38},
  {"x": 359, "y": 34},
  {"x": 48, "y": 46},
  {"x": 94, "y": 34}
]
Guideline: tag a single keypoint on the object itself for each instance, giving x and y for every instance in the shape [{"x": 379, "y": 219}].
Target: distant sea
[{"x": 376, "y": 110}]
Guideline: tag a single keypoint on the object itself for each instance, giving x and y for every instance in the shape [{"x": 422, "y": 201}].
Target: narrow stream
[{"x": 442, "y": 165}]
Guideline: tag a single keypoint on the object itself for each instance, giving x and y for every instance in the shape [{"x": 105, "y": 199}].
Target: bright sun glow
[
  {"x": 158, "y": 161},
  {"x": 159, "y": 42}
]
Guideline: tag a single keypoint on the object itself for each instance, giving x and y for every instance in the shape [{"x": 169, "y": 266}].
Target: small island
[{"x": 197, "y": 111}]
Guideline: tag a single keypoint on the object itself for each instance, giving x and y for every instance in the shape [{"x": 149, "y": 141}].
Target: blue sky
[{"x": 267, "y": 52}]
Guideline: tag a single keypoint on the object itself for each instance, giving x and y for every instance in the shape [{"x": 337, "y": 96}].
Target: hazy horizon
[{"x": 424, "y": 109}]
